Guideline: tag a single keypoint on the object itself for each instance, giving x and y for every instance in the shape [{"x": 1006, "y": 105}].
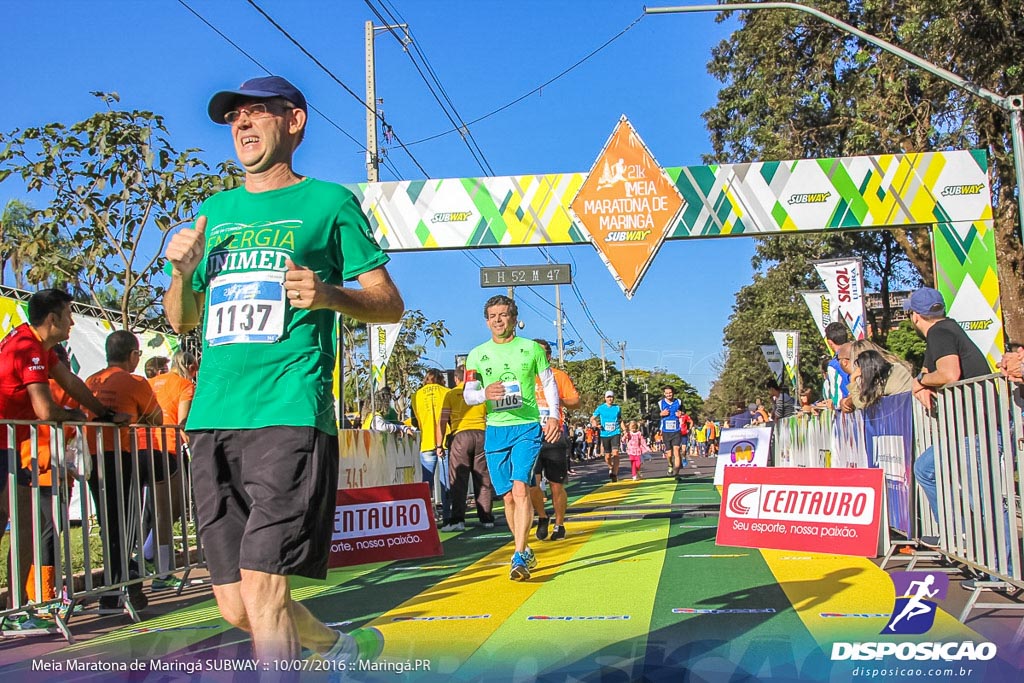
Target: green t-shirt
[
  {"x": 516, "y": 364},
  {"x": 266, "y": 363}
]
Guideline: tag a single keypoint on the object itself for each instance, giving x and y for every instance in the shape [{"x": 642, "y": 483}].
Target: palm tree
[{"x": 15, "y": 234}]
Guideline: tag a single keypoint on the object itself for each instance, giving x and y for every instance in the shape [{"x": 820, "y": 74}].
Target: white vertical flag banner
[
  {"x": 844, "y": 280},
  {"x": 382, "y": 341},
  {"x": 823, "y": 309},
  {"x": 773, "y": 357},
  {"x": 788, "y": 342}
]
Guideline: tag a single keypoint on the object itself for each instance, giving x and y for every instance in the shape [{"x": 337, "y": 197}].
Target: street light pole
[{"x": 1013, "y": 105}]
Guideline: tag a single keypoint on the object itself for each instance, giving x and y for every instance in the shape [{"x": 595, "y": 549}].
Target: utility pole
[
  {"x": 604, "y": 366},
  {"x": 372, "y": 157},
  {"x": 558, "y": 326},
  {"x": 625, "y": 387},
  {"x": 372, "y": 160}
]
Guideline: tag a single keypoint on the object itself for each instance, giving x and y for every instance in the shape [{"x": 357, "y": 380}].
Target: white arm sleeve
[
  {"x": 547, "y": 380},
  {"x": 473, "y": 393},
  {"x": 379, "y": 424}
]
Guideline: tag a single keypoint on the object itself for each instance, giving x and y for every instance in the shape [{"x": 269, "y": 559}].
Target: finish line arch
[{"x": 948, "y": 192}]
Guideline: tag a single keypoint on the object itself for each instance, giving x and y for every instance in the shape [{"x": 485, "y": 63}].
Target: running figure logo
[{"x": 916, "y": 595}]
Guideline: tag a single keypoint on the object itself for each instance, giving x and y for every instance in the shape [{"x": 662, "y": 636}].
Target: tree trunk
[{"x": 1010, "y": 260}]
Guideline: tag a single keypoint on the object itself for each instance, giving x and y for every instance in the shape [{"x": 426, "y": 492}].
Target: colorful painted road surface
[{"x": 637, "y": 591}]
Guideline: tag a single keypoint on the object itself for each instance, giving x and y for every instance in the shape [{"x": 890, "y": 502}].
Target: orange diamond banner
[{"x": 627, "y": 205}]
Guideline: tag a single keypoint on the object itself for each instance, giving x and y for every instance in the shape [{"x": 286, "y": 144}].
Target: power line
[
  {"x": 539, "y": 87},
  {"x": 454, "y": 117},
  {"x": 266, "y": 70},
  {"x": 337, "y": 80}
]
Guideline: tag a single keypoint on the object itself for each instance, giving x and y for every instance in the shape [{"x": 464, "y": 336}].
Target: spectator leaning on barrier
[
  {"x": 837, "y": 379},
  {"x": 783, "y": 404},
  {"x": 45, "y": 447},
  {"x": 27, "y": 362},
  {"x": 127, "y": 393},
  {"x": 1012, "y": 363},
  {"x": 875, "y": 373},
  {"x": 378, "y": 420},
  {"x": 949, "y": 356}
]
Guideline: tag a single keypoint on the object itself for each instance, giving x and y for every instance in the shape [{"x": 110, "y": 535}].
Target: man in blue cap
[
  {"x": 949, "y": 356},
  {"x": 263, "y": 271}
]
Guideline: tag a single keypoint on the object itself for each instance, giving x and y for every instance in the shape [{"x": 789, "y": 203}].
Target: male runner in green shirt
[
  {"x": 503, "y": 372},
  {"x": 265, "y": 265}
]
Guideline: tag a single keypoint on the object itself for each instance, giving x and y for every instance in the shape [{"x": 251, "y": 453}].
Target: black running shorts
[
  {"x": 672, "y": 439},
  {"x": 552, "y": 461},
  {"x": 610, "y": 443},
  {"x": 265, "y": 499}
]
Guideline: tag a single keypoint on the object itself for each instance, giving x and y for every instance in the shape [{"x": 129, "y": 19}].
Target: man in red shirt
[{"x": 27, "y": 362}]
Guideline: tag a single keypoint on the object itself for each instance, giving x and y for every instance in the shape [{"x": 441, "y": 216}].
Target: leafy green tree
[
  {"x": 907, "y": 343},
  {"x": 117, "y": 190},
  {"x": 795, "y": 87},
  {"x": 405, "y": 369}
]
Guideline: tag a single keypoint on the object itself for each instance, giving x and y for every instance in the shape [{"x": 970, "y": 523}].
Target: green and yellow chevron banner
[{"x": 947, "y": 192}]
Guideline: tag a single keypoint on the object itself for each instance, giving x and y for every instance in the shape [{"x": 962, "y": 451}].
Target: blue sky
[{"x": 159, "y": 56}]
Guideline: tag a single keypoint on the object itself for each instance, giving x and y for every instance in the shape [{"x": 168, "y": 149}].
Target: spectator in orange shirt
[
  {"x": 174, "y": 389},
  {"x": 118, "y": 389}
]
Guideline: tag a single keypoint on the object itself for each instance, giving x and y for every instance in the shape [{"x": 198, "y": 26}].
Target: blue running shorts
[{"x": 511, "y": 453}]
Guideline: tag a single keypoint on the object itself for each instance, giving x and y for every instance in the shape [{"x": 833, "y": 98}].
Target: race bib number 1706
[{"x": 246, "y": 308}]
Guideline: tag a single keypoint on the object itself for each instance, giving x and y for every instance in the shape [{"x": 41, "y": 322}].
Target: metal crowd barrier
[
  {"x": 977, "y": 466},
  {"x": 135, "y": 492},
  {"x": 976, "y": 432}
]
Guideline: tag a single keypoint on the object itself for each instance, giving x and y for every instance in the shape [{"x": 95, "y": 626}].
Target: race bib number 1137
[{"x": 246, "y": 308}]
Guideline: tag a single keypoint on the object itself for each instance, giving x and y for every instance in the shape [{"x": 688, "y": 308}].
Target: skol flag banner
[
  {"x": 844, "y": 280},
  {"x": 774, "y": 359},
  {"x": 823, "y": 309},
  {"x": 788, "y": 342},
  {"x": 382, "y": 341},
  {"x": 627, "y": 204}
]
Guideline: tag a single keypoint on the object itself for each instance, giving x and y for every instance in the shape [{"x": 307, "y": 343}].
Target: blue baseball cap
[
  {"x": 925, "y": 301},
  {"x": 264, "y": 87}
]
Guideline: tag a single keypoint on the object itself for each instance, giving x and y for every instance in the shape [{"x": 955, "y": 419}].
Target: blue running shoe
[
  {"x": 531, "y": 559},
  {"x": 519, "y": 571}
]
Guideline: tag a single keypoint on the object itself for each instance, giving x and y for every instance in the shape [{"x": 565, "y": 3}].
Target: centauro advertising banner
[
  {"x": 844, "y": 280},
  {"x": 627, "y": 205},
  {"x": 383, "y": 524},
  {"x": 788, "y": 342},
  {"x": 803, "y": 509},
  {"x": 823, "y": 309}
]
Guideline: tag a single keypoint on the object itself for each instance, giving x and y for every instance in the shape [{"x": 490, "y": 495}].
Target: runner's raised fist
[{"x": 187, "y": 247}]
